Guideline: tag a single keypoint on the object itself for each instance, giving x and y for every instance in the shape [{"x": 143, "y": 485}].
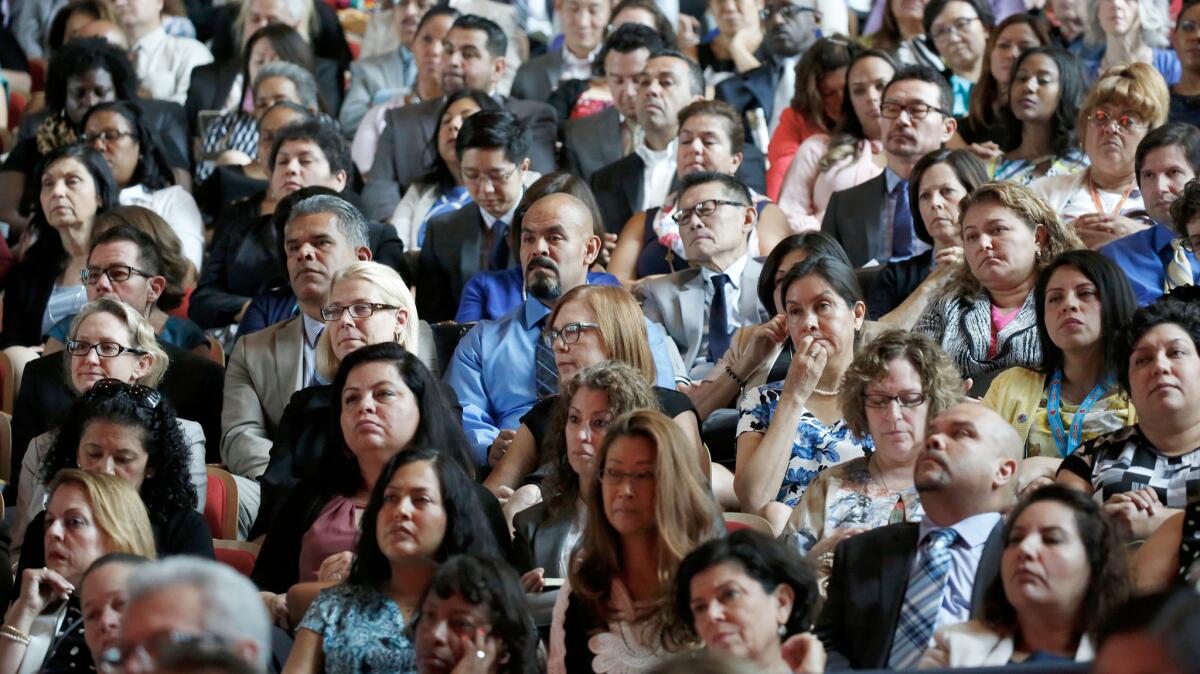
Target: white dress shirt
[
  {"x": 175, "y": 205},
  {"x": 784, "y": 91},
  {"x": 575, "y": 68},
  {"x": 164, "y": 63},
  {"x": 660, "y": 168}
]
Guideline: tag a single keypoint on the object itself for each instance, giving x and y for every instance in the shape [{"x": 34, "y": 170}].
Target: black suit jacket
[
  {"x": 618, "y": 186},
  {"x": 866, "y": 591},
  {"x": 449, "y": 258},
  {"x": 591, "y": 143},
  {"x": 193, "y": 384},
  {"x": 752, "y": 89},
  {"x": 856, "y": 218},
  {"x": 538, "y": 539}
]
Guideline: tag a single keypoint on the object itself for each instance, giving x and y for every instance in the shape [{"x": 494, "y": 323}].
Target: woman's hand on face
[
  {"x": 945, "y": 261},
  {"x": 808, "y": 362},
  {"x": 479, "y": 654},
  {"x": 1099, "y": 229},
  {"x": 804, "y": 654},
  {"x": 336, "y": 567},
  {"x": 534, "y": 581},
  {"x": 764, "y": 337},
  {"x": 40, "y": 588}
]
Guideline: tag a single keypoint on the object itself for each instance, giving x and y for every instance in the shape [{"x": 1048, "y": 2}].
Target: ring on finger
[{"x": 480, "y": 654}]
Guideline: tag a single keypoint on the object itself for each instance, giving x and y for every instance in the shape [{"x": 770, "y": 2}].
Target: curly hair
[
  {"x": 1108, "y": 582},
  {"x": 940, "y": 381},
  {"x": 167, "y": 488},
  {"x": 627, "y": 390},
  {"x": 1153, "y": 15},
  {"x": 83, "y": 55},
  {"x": 492, "y": 584},
  {"x": 1180, "y": 307},
  {"x": 760, "y": 557},
  {"x": 467, "y": 531},
  {"x": 1185, "y": 208},
  {"x": 1030, "y": 209}
]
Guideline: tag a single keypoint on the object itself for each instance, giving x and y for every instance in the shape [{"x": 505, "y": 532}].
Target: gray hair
[
  {"x": 1153, "y": 15},
  {"x": 232, "y": 607},
  {"x": 301, "y": 12},
  {"x": 350, "y": 220},
  {"x": 306, "y": 86}
]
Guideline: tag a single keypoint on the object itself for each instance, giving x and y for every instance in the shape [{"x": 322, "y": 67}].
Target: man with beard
[
  {"x": 502, "y": 367},
  {"x": 907, "y": 579},
  {"x": 874, "y": 221},
  {"x": 790, "y": 27}
]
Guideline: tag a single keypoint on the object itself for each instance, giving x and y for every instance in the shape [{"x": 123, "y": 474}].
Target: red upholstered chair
[
  {"x": 241, "y": 555},
  {"x": 221, "y": 504}
]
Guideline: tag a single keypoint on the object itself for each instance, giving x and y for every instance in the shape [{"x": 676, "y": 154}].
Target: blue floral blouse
[
  {"x": 362, "y": 631},
  {"x": 814, "y": 448}
]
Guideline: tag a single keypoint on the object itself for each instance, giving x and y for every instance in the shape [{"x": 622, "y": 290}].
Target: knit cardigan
[{"x": 963, "y": 326}]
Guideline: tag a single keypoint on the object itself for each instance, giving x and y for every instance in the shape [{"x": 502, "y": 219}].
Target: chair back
[
  {"x": 737, "y": 521},
  {"x": 221, "y": 504},
  {"x": 241, "y": 555}
]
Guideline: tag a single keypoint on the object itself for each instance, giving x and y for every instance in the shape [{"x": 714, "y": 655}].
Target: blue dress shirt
[
  {"x": 492, "y": 371},
  {"x": 491, "y": 294},
  {"x": 1144, "y": 256}
]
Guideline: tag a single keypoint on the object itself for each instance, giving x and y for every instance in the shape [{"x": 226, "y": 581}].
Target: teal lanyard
[{"x": 1067, "y": 443}]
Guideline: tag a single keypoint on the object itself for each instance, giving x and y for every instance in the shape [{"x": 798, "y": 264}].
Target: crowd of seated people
[{"x": 502, "y": 336}]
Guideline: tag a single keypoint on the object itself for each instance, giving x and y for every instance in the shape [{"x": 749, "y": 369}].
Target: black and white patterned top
[
  {"x": 1125, "y": 460},
  {"x": 1189, "y": 546}
]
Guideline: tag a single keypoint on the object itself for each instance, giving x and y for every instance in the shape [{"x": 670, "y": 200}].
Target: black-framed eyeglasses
[
  {"x": 914, "y": 110},
  {"x": 78, "y": 347},
  {"x": 107, "y": 136},
  {"x": 569, "y": 334},
  {"x": 496, "y": 178},
  {"x": 955, "y": 27},
  {"x": 1102, "y": 119},
  {"x": 144, "y": 396},
  {"x": 786, "y": 12},
  {"x": 909, "y": 399},
  {"x": 1190, "y": 243},
  {"x": 118, "y": 273},
  {"x": 704, "y": 209},
  {"x": 360, "y": 310}
]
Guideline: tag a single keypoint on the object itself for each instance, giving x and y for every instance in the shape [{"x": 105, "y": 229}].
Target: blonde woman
[
  {"x": 89, "y": 515},
  {"x": 108, "y": 340},
  {"x": 368, "y": 304},
  {"x": 985, "y": 319},
  {"x": 647, "y": 507}
]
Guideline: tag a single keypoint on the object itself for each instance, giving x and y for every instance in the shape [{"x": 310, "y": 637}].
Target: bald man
[
  {"x": 502, "y": 367},
  {"x": 892, "y": 587}
]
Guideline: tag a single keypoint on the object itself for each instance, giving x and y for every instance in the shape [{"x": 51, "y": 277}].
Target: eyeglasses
[
  {"x": 144, "y": 657},
  {"x": 879, "y": 401},
  {"x": 116, "y": 274},
  {"x": 569, "y": 334},
  {"x": 361, "y": 310},
  {"x": 78, "y": 347},
  {"x": 496, "y": 178},
  {"x": 144, "y": 396},
  {"x": 1190, "y": 243},
  {"x": 914, "y": 110},
  {"x": 1101, "y": 119},
  {"x": 785, "y": 12},
  {"x": 955, "y": 27},
  {"x": 703, "y": 209},
  {"x": 616, "y": 478},
  {"x": 106, "y": 137}
]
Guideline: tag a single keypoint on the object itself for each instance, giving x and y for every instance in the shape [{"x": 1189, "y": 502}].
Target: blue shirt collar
[
  {"x": 1162, "y": 236},
  {"x": 533, "y": 312},
  {"x": 892, "y": 179},
  {"x": 974, "y": 530}
]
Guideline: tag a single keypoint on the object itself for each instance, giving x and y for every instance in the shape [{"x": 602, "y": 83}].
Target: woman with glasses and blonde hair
[
  {"x": 368, "y": 304},
  {"x": 985, "y": 317},
  {"x": 647, "y": 507},
  {"x": 589, "y": 325},
  {"x": 88, "y": 515},
  {"x": 108, "y": 342},
  {"x": 1124, "y": 105}
]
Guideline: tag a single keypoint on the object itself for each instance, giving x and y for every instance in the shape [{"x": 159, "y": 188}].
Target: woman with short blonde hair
[
  {"x": 391, "y": 290},
  {"x": 142, "y": 342},
  {"x": 119, "y": 510}
]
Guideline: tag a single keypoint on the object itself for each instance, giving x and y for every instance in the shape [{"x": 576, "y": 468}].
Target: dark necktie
[
  {"x": 718, "y": 320},
  {"x": 545, "y": 372},
  {"x": 498, "y": 251},
  {"x": 902, "y": 224}
]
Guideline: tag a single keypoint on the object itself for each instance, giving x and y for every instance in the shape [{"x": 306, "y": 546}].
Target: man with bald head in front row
[
  {"x": 893, "y": 586},
  {"x": 502, "y": 367}
]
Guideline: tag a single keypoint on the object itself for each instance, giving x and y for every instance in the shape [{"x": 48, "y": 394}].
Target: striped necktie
[
  {"x": 918, "y": 614},
  {"x": 1179, "y": 268},
  {"x": 545, "y": 373}
]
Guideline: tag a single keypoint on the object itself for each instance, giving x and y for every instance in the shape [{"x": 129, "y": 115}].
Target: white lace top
[{"x": 626, "y": 648}]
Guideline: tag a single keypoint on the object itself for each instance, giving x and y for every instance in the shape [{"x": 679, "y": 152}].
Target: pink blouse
[
  {"x": 806, "y": 193},
  {"x": 335, "y": 530}
]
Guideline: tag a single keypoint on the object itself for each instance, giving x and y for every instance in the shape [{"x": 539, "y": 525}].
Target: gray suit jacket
[
  {"x": 856, "y": 218},
  {"x": 264, "y": 370},
  {"x": 388, "y": 74},
  {"x": 592, "y": 142},
  {"x": 677, "y": 302},
  {"x": 404, "y": 152},
  {"x": 538, "y": 78}
]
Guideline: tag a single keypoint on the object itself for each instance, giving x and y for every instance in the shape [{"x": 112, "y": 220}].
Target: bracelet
[
  {"x": 733, "y": 375},
  {"x": 13, "y": 634}
]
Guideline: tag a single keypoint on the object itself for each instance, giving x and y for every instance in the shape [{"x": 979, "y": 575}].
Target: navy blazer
[{"x": 753, "y": 89}]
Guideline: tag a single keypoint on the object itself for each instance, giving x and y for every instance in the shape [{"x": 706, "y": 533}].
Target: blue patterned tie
[
  {"x": 718, "y": 320},
  {"x": 902, "y": 224},
  {"x": 918, "y": 614},
  {"x": 545, "y": 373}
]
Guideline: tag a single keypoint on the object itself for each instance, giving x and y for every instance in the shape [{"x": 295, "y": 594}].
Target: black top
[
  {"x": 227, "y": 185},
  {"x": 896, "y": 282},
  {"x": 70, "y": 654},
  {"x": 538, "y": 418},
  {"x": 709, "y": 59}
]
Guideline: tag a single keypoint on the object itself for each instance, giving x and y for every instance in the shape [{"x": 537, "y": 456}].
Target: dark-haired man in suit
[{"x": 893, "y": 586}]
